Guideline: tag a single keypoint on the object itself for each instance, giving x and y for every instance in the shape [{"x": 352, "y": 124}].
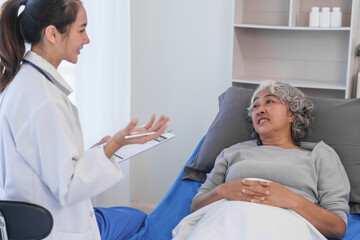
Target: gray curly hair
[{"x": 298, "y": 104}]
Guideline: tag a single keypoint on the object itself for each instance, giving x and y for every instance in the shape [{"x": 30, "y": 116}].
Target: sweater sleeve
[
  {"x": 333, "y": 183},
  {"x": 216, "y": 176}
]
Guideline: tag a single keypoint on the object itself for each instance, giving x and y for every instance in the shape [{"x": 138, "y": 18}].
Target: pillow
[
  {"x": 229, "y": 127},
  {"x": 336, "y": 123}
]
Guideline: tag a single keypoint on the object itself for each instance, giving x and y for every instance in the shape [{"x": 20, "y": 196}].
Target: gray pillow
[
  {"x": 228, "y": 128},
  {"x": 336, "y": 123}
]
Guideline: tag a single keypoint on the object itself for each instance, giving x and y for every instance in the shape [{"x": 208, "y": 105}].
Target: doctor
[{"x": 42, "y": 157}]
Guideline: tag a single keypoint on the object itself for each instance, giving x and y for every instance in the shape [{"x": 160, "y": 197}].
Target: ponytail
[
  {"x": 12, "y": 44},
  {"x": 29, "y": 26}
]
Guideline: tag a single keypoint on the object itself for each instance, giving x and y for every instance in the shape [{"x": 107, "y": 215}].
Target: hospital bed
[{"x": 336, "y": 123}]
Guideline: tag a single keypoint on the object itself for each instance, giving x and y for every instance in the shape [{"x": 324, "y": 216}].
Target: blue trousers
[{"x": 119, "y": 223}]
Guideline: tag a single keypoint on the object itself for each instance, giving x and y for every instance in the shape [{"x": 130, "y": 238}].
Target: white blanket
[{"x": 243, "y": 220}]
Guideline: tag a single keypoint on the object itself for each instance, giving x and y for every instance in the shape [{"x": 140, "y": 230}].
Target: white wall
[
  {"x": 181, "y": 62},
  {"x": 103, "y": 82}
]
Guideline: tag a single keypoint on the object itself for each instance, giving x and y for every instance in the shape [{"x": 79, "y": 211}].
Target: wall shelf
[
  {"x": 272, "y": 40},
  {"x": 290, "y": 28}
]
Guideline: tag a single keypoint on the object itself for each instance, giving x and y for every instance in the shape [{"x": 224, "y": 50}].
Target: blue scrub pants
[{"x": 119, "y": 223}]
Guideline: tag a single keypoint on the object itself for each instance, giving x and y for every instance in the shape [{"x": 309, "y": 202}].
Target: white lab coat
[{"x": 42, "y": 153}]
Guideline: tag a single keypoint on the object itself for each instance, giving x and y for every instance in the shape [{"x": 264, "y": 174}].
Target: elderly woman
[{"x": 313, "y": 184}]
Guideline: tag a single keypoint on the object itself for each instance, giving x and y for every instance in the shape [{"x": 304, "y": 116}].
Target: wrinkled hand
[
  {"x": 245, "y": 190},
  {"x": 279, "y": 196}
]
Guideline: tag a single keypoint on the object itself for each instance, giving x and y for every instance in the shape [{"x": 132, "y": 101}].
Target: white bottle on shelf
[
  {"x": 314, "y": 18},
  {"x": 336, "y": 17},
  {"x": 325, "y": 17}
]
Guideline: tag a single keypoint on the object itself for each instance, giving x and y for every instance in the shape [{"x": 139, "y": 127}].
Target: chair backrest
[{"x": 24, "y": 220}]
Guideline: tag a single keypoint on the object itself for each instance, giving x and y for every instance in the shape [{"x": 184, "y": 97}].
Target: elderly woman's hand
[
  {"x": 244, "y": 190},
  {"x": 328, "y": 223},
  {"x": 238, "y": 190},
  {"x": 279, "y": 196}
]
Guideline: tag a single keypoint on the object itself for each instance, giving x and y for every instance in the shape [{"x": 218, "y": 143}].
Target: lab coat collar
[{"x": 50, "y": 70}]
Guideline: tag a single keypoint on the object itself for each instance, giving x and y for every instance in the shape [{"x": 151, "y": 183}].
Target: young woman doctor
[{"x": 42, "y": 157}]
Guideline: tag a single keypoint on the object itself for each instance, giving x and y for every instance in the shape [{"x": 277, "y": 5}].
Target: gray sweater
[{"x": 317, "y": 175}]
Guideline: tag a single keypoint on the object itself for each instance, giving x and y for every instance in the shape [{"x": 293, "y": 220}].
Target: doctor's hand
[
  {"x": 119, "y": 140},
  {"x": 103, "y": 140}
]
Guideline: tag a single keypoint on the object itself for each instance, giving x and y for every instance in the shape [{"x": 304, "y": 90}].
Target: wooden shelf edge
[
  {"x": 296, "y": 83},
  {"x": 290, "y": 28}
]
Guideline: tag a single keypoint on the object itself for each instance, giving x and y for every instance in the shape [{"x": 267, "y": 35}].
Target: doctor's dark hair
[
  {"x": 29, "y": 27},
  {"x": 298, "y": 104}
]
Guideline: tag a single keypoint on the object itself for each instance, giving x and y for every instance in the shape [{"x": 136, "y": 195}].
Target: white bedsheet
[{"x": 243, "y": 220}]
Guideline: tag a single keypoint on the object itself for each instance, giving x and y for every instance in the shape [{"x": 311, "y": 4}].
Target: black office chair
[{"x": 25, "y": 221}]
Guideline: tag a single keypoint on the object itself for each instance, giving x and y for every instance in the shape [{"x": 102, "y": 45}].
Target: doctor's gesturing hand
[{"x": 119, "y": 140}]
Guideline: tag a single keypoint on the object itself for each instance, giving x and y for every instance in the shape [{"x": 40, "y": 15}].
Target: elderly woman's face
[{"x": 270, "y": 115}]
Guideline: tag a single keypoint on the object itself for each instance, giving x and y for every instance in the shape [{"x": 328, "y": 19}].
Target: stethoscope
[
  {"x": 38, "y": 69},
  {"x": 32, "y": 65}
]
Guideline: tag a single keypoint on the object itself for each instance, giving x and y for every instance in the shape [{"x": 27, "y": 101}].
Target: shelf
[
  {"x": 262, "y": 12},
  {"x": 314, "y": 92},
  {"x": 278, "y": 54},
  {"x": 255, "y": 26},
  {"x": 301, "y": 9},
  {"x": 294, "y": 13},
  {"x": 318, "y": 84},
  {"x": 272, "y": 40}
]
